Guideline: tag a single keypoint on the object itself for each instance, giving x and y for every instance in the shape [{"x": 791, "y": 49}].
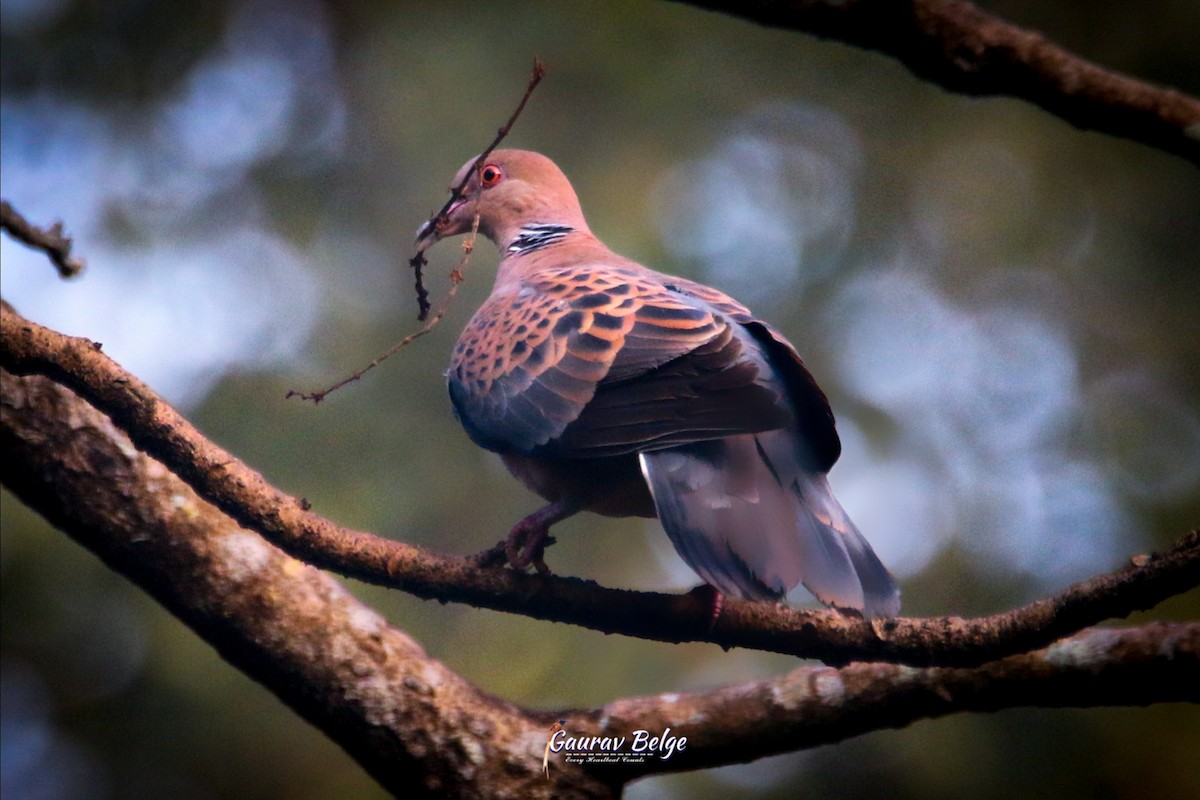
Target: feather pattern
[{"x": 592, "y": 360}]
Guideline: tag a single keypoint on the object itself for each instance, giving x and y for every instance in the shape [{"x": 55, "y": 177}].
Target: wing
[
  {"x": 816, "y": 437},
  {"x": 591, "y": 360}
]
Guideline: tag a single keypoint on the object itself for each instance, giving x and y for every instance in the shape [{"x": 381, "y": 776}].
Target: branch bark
[
  {"x": 961, "y": 48},
  {"x": 835, "y": 638},
  {"x": 417, "y": 727},
  {"x": 156, "y": 428},
  {"x": 818, "y": 705},
  {"x": 422, "y": 730}
]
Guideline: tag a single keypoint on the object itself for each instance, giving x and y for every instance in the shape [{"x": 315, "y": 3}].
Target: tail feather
[
  {"x": 875, "y": 592},
  {"x": 705, "y": 509},
  {"x": 752, "y": 523}
]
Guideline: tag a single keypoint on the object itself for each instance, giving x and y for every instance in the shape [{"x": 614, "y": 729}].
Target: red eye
[{"x": 490, "y": 175}]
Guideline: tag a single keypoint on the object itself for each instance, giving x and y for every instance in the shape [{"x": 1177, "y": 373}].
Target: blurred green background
[{"x": 1001, "y": 308}]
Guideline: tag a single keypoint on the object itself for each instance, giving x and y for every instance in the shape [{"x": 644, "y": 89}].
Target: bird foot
[
  {"x": 498, "y": 555},
  {"x": 527, "y": 541}
]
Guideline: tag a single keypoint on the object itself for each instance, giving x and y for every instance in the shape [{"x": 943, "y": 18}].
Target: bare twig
[
  {"x": 156, "y": 428},
  {"x": 417, "y": 262},
  {"x": 439, "y": 220},
  {"x": 50, "y": 240},
  {"x": 456, "y": 278}
]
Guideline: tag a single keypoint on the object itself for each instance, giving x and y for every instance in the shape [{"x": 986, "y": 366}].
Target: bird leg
[
  {"x": 714, "y": 600},
  {"x": 526, "y": 542}
]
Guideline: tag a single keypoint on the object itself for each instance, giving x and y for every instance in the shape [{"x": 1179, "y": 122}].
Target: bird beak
[
  {"x": 426, "y": 232},
  {"x": 440, "y": 225}
]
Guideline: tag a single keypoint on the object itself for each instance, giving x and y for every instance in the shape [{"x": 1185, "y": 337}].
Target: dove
[{"x": 606, "y": 386}]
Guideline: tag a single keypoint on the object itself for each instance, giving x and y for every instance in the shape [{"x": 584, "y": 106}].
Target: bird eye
[{"x": 490, "y": 175}]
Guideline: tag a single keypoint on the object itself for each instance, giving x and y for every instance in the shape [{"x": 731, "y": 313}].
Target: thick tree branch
[
  {"x": 957, "y": 46},
  {"x": 818, "y": 705},
  {"x": 157, "y": 429},
  {"x": 421, "y": 729}
]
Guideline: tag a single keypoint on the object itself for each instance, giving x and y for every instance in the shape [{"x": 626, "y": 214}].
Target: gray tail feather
[
  {"x": 877, "y": 594},
  {"x": 720, "y": 526},
  {"x": 753, "y": 529}
]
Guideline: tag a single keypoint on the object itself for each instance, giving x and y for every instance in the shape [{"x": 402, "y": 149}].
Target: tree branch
[
  {"x": 50, "y": 241},
  {"x": 811, "y": 706},
  {"x": 422, "y": 730},
  {"x": 157, "y": 429},
  {"x": 417, "y": 727},
  {"x": 961, "y": 48}
]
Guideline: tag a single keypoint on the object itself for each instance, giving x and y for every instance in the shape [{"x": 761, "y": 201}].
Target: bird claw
[
  {"x": 527, "y": 541},
  {"x": 540, "y": 565},
  {"x": 521, "y": 541},
  {"x": 526, "y": 545},
  {"x": 521, "y": 549}
]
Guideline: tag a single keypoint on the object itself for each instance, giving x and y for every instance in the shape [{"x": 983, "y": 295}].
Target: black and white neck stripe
[{"x": 535, "y": 236}]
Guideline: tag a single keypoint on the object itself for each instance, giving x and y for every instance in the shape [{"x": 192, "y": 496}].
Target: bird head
[{"x": 508, "y": 190}]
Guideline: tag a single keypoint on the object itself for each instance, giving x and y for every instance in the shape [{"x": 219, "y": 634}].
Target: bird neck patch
[{"x": 537, "y": 235}]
